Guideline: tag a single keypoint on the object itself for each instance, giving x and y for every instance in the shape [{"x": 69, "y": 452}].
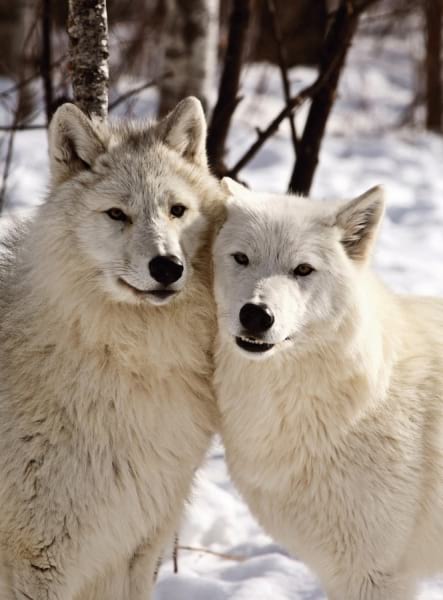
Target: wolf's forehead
[
  {"x": 144, "y": 183},
  {"x": 274, "y": 233}
]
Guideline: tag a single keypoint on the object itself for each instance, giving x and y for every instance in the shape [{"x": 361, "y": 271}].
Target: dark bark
[
  {"x": 282, "y": 63},
  {"x": 88, "y": 35},
  {"x": 46, "y": 58},
  {"x": 262, "y": 135},
  {"x": 336, "y": 46},
  {"x": 228, "y": 89},
  {"x": 433, "y": 23}
]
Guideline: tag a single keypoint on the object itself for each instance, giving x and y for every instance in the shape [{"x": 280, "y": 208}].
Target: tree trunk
[
  {"x": 191, "y": 42},
  {"x": 335, "y": 49},
  {"x": 46, "y": 58},
  {"x": 88, "y": 36},
  {"x": 433, "y": 23},
  {"x": 228, "y": 89}
]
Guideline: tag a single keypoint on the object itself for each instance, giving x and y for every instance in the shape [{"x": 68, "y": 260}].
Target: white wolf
[
  {"x": 331, "y": 393},
  {"x": 106, "y": 326}
]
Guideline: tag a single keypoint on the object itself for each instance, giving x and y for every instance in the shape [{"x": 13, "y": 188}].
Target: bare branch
[
  {"x": 8, "y": 161},
  {"x": 136, "y": 91},
  {"x": 24, "y": 82},
  {"x": 218, "y": 554},
  {"x": 228, "y": 90},
  {"x": 335, "y": 49},
  {"x": 281, "y": 58},
  {"x": 22, "y": 127},
  {"x": 262, "y": 135}
]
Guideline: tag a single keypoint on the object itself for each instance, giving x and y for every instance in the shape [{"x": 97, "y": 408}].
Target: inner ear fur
[
  {"x": 75, "y": 142},
  {"x": 184, "y": 130},
  {"x": 358, "y": 221}
]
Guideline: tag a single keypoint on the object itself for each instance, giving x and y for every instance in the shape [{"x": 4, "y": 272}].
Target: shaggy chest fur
[
  {"x": 102, "y": 423},
  {"x": 320, "y": 476}
]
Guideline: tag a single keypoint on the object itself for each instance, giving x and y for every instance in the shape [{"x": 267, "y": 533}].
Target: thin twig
[
  {"x": 24, "y": 82},
  {"x": 137, "y": 90},
  {"x": 212, "y": 553},
  {"x": 8, "y": 161},
  {"x": 334, "y": 51},
  {"x": 22, "y": 127},
  {"x": 281, "y": 58},
  {"x": 294, "y": 104},
  {"x": 175, "y": 553},
  {"x": 13, "y": 127}
]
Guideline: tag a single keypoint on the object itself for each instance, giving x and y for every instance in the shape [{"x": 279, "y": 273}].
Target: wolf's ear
[
  {"x": 232, "y": 187},
  {"x": 184, "y": 130},
  {"x": 74, "y": 143},
  {"x": 358, "y": 221}
]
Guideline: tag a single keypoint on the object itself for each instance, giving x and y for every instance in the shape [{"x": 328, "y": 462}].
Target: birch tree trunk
[
  {"x": 191, "y": 41},
  {"x": 88, "y": 37}
]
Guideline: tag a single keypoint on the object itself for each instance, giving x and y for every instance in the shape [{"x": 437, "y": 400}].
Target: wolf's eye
[
  {"x": 303, "y": 270},
  {"x": 178, "y": 210},
  {"x": 117, "y": 215},
  {"x": 241, "y": 258}
]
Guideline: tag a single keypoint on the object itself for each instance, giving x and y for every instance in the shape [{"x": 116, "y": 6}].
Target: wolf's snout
[
  {"x": 256, "y": 318},
  {"x": 166, "y": 269}
]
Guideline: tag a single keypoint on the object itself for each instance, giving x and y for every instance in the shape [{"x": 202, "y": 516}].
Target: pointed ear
[
  {"x": 184, "y": 130},
  {"x": 359, "y": 220},
  {"x": 232, "y": 187},
  {"x": 74, "y": 143}
]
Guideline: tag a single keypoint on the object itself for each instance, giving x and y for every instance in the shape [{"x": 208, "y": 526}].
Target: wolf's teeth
[{"x": 253, "y": 341}]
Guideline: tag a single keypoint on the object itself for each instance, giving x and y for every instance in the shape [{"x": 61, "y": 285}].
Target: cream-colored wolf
[
  {"x": 331, "y": 393},
  {"x": 106, "y": 325}
]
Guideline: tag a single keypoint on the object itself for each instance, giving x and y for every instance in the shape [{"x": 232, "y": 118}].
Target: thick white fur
[
  {"x": 106, "y": 406},
  {"x": 335, "y": 435}
]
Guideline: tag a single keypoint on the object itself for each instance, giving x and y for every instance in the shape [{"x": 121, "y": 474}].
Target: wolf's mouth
[
  {"x": 162, "y": 294},
  {"x": 253, "y": 345}
]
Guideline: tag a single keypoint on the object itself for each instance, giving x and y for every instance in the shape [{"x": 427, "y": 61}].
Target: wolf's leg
[
  {"x": 379, "y": 587},
  {"x": 144, "y": 565}
]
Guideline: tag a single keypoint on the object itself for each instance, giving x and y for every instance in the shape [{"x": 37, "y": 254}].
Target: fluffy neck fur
[{"x": 321, "y": 381}]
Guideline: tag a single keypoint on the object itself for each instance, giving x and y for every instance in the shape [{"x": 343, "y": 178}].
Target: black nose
[
  {"x": 166, "y": 269},
  {"x": 256, "y": 318}
]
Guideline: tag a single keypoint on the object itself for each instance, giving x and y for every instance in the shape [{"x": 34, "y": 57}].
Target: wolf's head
[
  {"x": 286, "y": 267},
  {"x": 133, "y": 198}
]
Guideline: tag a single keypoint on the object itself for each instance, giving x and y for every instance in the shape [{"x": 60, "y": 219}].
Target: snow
[{"x": 366, "y": 144}]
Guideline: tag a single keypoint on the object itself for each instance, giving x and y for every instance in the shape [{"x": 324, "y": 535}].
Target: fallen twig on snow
[{"x": 213, "y": 553}]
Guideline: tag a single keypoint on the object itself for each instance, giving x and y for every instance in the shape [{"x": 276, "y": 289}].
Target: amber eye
[
  {"x": 178, "y": 210},
  {"x": 241, "y": 258},
  {"x": 117, "y": 215},
  {"x": 303, "y": 270}
]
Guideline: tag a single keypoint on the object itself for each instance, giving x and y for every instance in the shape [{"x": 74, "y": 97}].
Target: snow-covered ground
[{"x": 228, "y": 556}]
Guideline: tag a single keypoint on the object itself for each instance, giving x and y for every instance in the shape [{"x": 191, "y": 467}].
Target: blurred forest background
[{"x": 52, "y": 51}]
